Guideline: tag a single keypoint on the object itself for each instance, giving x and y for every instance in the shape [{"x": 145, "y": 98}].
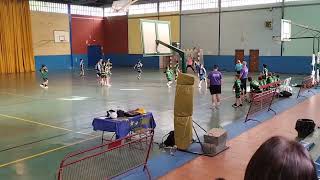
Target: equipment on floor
[
  {"x": 170, "y": 139},
  {"x": 261, "y": 102},
  {"x": 285, "y": 94},
  {"x": 109, "y": 160},
  {"x": 215, "y": 141},
  {"x": 112, "y": 114},
  {"x": 304, "y": 127},
  {"x": 306, "y": 85}
]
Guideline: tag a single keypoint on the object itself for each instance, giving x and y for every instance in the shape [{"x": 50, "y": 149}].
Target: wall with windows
[{"x": 242, "y": 27}]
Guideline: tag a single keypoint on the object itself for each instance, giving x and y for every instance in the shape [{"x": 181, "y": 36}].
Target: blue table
[{"x": 123, "y": 126}]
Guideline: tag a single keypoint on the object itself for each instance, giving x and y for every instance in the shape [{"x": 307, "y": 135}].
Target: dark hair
[
  {"x": 249, "y": 78},
  {"x": 264, "y": 65},
  {"x": 260, "y": 78},
  {"x": 281, "y": 159},
  {"x": 215, "y": 67}
]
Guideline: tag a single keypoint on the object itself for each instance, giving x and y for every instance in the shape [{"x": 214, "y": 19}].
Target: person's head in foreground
[
  {"x": 249, "y": 78},
  {"x": 281, "y": 159}
]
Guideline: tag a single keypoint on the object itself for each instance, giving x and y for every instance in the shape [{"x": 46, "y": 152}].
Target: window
[
  {"x": 170, "y": 6},
  {"x": 143, "y": 8},
  {"x": 233, "y": 3},
  {"x": 199, "y": 4},
  {"x": 48, "y": 7},
  {"x": 86, "y": 10},
  {"x": 110, "y": 12}
]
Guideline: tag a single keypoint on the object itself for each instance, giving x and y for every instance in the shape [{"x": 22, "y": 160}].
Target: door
[
  {"x": 94, "y": 54},
  {"x": 254, "y": 60},
  {"x": 239, "y": 55}
]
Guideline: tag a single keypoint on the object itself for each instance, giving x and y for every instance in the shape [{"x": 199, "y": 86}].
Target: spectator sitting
[
  {"x": 281, "y": 159},
  {"x": 254, "y": 85}
]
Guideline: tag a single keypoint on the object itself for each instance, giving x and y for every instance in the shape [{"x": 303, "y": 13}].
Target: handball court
[{"x": 39, "y": 127}]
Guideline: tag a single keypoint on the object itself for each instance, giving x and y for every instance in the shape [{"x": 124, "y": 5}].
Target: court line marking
[
  {"x": 43, "y": 124},
  {"x": 20, "y": 95},
  {"x": 46, "y": 152},
  {"x": 131, "y": 89}
]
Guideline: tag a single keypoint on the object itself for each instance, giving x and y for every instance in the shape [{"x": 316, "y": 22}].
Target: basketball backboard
[
  {"x": 61, "y": 36},
  {"x": 285, "y": 30},
  {"x": 152, "y": 30}
]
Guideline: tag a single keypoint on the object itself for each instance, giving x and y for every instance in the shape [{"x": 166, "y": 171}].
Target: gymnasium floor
[{"x": 38, "y": 127}]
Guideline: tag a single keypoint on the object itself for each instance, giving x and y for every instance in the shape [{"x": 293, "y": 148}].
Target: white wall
[
  {"x": 200, "y": 30},
  {"x": 246, "y": 30}
]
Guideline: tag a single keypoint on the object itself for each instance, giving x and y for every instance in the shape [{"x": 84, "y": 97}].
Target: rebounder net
[{"x": 108, "y": 160}]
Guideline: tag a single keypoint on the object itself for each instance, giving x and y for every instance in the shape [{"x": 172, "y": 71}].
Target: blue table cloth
[{"x": 122, "y": 126}]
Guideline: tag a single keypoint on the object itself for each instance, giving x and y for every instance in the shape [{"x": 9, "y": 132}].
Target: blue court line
[{"x": 163, "y": 163}]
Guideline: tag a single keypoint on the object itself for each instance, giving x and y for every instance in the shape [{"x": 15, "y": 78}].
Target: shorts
[
  {"x": 139, "y": 71},
  {"x": 215, "y": 89},
  {"x": 202, "y": 77},
  {"x": 244, "y": 85},
  {"x": 103, "y": 75},
  {"x": 238, "y": 94}
]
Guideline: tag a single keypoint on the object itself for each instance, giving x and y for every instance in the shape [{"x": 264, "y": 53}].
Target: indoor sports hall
[{"x": 159, "y": 89}]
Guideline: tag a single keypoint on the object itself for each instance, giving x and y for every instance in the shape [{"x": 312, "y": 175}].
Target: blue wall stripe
[
  {"x": 121, "y": 60},
  {"x": 53, "y": 61},
  {"x": 129, "y": 60},
  {"x": 76, "y": 60},
  {"x": 279, "y": 64}
]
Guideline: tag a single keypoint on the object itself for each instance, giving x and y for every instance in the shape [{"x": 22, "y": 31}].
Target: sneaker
[
  {"x": 235, "y": 106},
  {"x": 240, "y": 105}
]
